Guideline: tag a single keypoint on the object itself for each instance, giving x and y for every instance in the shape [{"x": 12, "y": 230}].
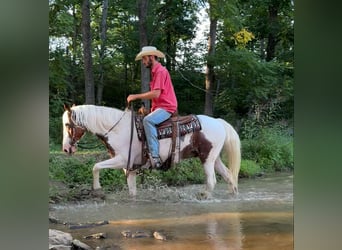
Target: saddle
[{"x": 174, "y": 127}]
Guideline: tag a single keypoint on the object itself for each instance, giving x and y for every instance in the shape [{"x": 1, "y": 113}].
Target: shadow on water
[{"x": 260, "y": 217}]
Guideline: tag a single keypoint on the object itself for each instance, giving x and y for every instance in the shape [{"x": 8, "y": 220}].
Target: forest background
[{"x": 229, "y": 59}]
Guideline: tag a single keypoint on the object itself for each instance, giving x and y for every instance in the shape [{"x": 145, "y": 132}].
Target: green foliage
[
  {"x": 249, "y": 169},
  {"x": 77, "y": 169},
  {"x": 189, "y": 171},
  {"x": 254, "y": 88},
  {"x": 70, "y": 170},
  {"x": 112, "y": 179},
  {"x": 269, "y": 147}
]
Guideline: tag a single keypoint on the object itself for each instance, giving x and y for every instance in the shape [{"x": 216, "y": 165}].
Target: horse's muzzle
[{"x": 69, "y": 150}]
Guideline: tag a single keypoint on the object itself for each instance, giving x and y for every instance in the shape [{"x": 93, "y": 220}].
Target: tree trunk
[
  {"x": 273, "y": 30},
  {"x": 168, "y": 49},
  {"x": 145, "y": 73},
  {"x": 74, "y": 41},
  {"x": 103, "y": 37},
  {"x": 209, "y": 77},
  {"x": 88, "y": 63}
]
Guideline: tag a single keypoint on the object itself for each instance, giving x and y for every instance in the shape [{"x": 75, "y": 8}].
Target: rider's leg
[{"x": 150, "y": 121}]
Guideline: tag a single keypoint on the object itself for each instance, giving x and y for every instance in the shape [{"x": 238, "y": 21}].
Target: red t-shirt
[{"x": 161, "y": 80}]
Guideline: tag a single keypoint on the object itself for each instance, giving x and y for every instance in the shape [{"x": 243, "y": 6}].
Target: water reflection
[{"x": 223, "y": 236}]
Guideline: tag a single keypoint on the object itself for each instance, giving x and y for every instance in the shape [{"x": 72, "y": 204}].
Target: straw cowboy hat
[{"x": 149, "y": 51}]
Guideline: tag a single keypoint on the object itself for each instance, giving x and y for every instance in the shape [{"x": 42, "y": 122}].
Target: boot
[{"x": 155, "y": 162}]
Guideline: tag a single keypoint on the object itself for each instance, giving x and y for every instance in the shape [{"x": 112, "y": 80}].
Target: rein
[
  {"x": 115, "y": 124},
  {"x": 130, "y": 141}
]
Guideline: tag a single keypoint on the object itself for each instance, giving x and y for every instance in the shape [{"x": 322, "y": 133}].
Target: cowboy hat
[{"x": 149, "y": 50}]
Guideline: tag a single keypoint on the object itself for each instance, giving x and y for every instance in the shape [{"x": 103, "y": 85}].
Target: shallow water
[{"x": 260, "y": 217}]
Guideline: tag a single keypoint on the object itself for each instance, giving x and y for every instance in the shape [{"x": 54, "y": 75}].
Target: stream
[{"x": 259, "y": 217}]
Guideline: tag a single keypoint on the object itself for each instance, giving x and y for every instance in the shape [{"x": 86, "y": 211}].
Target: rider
[{"x": 162, "y": 94}]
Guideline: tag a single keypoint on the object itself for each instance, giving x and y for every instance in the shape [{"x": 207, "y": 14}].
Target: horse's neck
[{"x": 98, "y": 119}]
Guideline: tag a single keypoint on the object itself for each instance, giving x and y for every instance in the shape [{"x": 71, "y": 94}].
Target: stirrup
[{"x": 155, "y": 162}]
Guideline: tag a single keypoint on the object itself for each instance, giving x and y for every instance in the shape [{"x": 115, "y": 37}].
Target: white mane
[{"x": 97, "y": 119}]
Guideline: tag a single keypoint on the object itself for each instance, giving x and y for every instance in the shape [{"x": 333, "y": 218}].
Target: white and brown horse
[{"x": 113, "y": 127}]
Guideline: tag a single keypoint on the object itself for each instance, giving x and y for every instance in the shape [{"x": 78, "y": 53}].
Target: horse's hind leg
[{"x": 226, "y": 174}]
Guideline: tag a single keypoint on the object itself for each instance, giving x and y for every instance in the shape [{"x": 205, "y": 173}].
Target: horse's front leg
[
  {"x": 211, "y": 181},
  {"x": 115, "y": 163},
  {"x": 131, "y": 182}
]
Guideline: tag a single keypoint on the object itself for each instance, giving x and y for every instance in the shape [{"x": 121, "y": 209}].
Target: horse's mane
[{"x": 96, "y": 118}]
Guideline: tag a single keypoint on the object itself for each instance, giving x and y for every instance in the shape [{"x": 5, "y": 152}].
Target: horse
[{"x": 114, "y": 127}]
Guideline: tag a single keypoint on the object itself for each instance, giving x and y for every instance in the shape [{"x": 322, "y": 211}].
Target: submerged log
[
  {"x": 87, "y": 225},
  {"x": 137, "y": 234},
  {"x": 143, "y": 234}
]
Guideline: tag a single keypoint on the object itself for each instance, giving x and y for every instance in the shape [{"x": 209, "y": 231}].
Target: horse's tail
[{"x": 232, "y": 147}]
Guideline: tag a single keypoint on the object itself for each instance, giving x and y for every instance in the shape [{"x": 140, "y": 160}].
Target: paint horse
[{"x": 112, "y": 126}]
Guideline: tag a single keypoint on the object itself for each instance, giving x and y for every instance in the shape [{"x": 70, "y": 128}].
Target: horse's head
[{"x": 72, "y": 132}]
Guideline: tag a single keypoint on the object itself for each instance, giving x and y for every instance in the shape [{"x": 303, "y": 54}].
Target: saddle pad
[{"x": 187, "y": 124}]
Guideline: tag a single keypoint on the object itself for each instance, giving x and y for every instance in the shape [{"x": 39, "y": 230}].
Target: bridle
[{"x": 75, "y": 131}]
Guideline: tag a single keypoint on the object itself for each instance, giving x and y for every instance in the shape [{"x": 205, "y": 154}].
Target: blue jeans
[{"x": 150, "y": 121}]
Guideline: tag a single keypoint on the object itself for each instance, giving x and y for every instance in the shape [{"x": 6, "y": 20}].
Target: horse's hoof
[
  {"x": 203, "y": 195},
  {"x": 233, "y": 190},
  {"x": 98, "y": 193}
]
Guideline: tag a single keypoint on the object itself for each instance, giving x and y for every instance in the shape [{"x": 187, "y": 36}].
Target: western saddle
[{"x": 174, "y": 127}]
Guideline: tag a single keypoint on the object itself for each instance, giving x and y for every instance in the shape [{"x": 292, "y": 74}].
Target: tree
[
  {"x": 143, "y": 41},
  {"x": 240, "y": 80},
  {"x": 176, "y": 22},
  {"x": 273, "y": 26},
  {"x": 209, "y": 75},
  {"x": 218, "y": 11},
  {"x": 103, "y": 38},
  {"x": 87, "y": 54}
]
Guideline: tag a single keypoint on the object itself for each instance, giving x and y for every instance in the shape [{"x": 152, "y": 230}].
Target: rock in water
[
  {"x": 80, "y": 245},
  {"x": 159, "y": 236},
  {"x": 126, "y": 233},
  {"x": 59, "y": 238},
  {"x": 96, "y": 236}
]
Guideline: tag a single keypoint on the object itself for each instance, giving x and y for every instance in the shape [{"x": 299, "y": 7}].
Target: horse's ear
[
  {"x": 74, "y": 105},
  {"x": 66, "y": 107}
]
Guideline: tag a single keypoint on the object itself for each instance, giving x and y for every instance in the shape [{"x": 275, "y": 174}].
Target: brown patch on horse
[
  {"x": 110, "y": 149},
  {"x": 199, "y": 147}
]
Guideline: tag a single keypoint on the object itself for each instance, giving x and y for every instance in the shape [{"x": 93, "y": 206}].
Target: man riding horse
[{"x": 162, "y": 94}]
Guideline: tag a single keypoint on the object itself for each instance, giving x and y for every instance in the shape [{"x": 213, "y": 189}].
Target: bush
[
  {"x": 77, "y": 170},
  {"x": 249, "y": 169},
  {"x": 271, "y": 148},
  {"x": 189, "y": 171}
]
